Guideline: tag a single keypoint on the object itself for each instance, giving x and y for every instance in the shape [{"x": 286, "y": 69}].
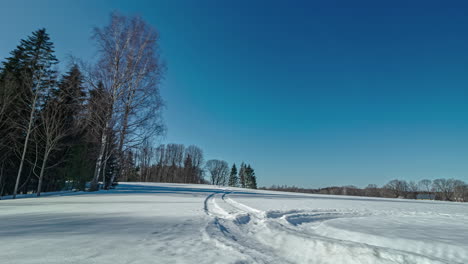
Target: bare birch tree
[
  {"x": 50, "y": 132},
  {"x": 160, "y": 158},
  {"x": 196, "y": 155},
  {"x": 145, "y": 156},
  {"x": 219, "y": 171},
  {"x": 130, "y": 70}
]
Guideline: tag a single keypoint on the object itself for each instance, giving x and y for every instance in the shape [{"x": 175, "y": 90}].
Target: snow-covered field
[{"x": 179, "y": 223}]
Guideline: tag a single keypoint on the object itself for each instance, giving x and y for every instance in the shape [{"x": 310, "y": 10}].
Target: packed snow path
[{"x": 179, "y": 223}]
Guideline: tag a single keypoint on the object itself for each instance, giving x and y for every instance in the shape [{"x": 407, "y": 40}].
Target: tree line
[
  {"x": 179, "y": 164},
  {"x": 94, "y": 124},
  {"x": 438, "y": 189}
]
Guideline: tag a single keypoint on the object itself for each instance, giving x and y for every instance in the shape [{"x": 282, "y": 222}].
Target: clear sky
[{"x": 311, "y": 93}]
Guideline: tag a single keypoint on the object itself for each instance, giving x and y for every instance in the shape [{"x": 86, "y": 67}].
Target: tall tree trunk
[
  {"x": 104, "y": 173},
  {"x": 1, "y": 180},
  {"x": 99, "y": 162},
  {"x": 122, "y": 137},
  {"x": 25, "y": 147},
  {"x": 146, "y": 173},
  {"x": 41, "y": 174}
]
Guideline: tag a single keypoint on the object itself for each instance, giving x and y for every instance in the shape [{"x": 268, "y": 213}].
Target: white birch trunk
[
  {"x": 25, "y": 147},
  {"x": 97, "y": 171},
  {"x": 41, "y": 174}
]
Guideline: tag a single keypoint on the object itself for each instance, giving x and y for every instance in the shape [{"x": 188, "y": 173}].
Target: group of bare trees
[
  {"x": 166, "y": 163},
  {"x": 438, "y": 189}
]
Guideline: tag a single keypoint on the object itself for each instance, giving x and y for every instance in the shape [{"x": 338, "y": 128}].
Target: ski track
[{"x": 277, "y": 236}]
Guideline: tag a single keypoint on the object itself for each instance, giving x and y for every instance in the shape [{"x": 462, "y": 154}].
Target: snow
[{"x": 181, "y": 223}]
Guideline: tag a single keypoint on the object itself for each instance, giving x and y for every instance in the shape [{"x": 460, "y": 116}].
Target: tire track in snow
[
  {"x": 230, "y": 228},
  {"x": 282, "y": 234}
]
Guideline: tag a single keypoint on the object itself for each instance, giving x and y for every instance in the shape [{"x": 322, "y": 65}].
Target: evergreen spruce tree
[
  {"x": 96, "y": 111},
  {"x": 78, "y": 167},
  {"x": 251, "y": 179},
  {"x": 233, "y": 180},
  {"x": 254, "y": 181},
  {"x": 248, "y": 180},
  {"x": 69, "y": 98},
  {"x": 242, "y": 175},
  {"x": 31, "y": 67}
]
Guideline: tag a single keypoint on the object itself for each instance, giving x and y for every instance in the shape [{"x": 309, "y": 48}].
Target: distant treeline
[
  {"x": 179, "y": 164},
  {"x": 439, "y": 189},
  {"x": 95, "y": 124}
]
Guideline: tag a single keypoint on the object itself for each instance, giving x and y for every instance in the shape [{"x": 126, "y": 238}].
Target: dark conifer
[
  {"x": 242, "y": 175},
  {"x": 233, "y": 180}
]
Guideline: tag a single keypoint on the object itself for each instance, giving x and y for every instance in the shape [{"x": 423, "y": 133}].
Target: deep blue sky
[{"x": 311, "y": 94}]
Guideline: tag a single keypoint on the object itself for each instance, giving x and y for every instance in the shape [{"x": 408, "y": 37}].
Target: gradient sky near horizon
[{"x": 311, "y": 93}]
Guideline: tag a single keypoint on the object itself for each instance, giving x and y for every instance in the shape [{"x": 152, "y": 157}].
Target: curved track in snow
[{"x": 279, "y": 237}]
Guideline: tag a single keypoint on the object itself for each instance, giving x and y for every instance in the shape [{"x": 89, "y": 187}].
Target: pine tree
[
  {"x": 31, "y": 66},
  {"x": 78, "y": 167},
  {"x": 242, "y": 175},
  {"x": 254, "y": 181},
  {"x": 251, "y": 179},
  {"x": 248, "y": 180},
  {"x": 233, "y": 180},
  {"x": 71, "y": 96},
  {"x": 96, "y": 113}
]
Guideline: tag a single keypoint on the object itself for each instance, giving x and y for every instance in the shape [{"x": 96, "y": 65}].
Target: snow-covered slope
[{"x": 179, "y": 223}]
